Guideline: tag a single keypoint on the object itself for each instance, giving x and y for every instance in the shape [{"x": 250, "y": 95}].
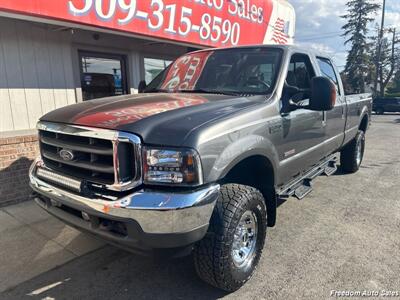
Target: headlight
[{"x": 177, "y": 167}]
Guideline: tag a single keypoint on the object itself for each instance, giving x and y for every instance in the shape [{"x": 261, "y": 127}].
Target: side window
[
  {"x": 298, "y": 79},
  {"x": 154, "y": 66},
  {"x": 328, "y": 71},
  {"x": 155, "y": 83}
]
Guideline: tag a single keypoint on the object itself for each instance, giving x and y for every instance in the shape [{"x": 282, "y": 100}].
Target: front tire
[
  {"x": 228, "y": 255},
  {"x": 380, "y": 111},
  {"x": 352, "y": 154}
]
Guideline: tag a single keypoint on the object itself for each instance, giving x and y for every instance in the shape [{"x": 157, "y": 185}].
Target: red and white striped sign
[{"x": 279, "y": 35}]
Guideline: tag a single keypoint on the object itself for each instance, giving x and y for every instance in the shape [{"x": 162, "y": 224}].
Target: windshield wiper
[
  {"x": 156, "y": 90},
  {"x": 204, "y": 91}
]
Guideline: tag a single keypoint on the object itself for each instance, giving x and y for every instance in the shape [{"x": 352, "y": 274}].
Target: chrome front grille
[{"x": 107, "y": 158}]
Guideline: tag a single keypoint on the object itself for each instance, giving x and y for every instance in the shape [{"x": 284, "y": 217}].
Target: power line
[
  {"x": 319, "y": 38},
  {"x": 318, "y": 34}
]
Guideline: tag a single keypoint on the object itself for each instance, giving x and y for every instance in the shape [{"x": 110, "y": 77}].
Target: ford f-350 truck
[{"x": 197, "y": 161}]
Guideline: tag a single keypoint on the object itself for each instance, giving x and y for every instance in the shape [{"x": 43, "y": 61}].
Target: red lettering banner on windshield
[{"x": 186, "y": 71}]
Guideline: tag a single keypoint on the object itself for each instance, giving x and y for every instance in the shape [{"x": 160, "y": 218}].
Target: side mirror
[
  {"x": 323, "y": 94},
  {"x": 142, "y": 86}
]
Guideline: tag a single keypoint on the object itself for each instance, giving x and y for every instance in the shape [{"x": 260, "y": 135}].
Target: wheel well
[
  {"x": 364, "y": 124},
  {"x": 258, "y": 172}
]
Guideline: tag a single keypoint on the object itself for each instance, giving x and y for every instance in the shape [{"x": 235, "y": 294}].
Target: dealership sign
[{"x": 200, "y": 22}]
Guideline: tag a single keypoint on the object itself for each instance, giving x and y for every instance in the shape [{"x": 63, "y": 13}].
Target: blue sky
[{"x": 318, "y": 24}]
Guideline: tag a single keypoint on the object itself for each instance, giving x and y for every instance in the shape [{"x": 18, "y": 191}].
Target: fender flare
[
  {"x": 271, "y": 199},
  {"x": 248, "y": 154},
  {"x": 364, "y": 113}
]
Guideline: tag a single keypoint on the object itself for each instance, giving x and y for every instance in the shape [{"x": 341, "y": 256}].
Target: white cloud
[
  {"x": 339, "y": 57},
  {"x": 319, "y": 25},
  {"x": 393, "y": 19},
  {"x": 394, "y": 5},
  {"x": 318, "y": 47}
]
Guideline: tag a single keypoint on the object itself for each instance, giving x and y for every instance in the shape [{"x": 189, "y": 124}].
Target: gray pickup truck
[{"x": 197, "y": 162}]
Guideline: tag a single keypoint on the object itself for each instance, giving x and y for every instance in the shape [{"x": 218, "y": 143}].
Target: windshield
[{"x": 228, "y": 71}]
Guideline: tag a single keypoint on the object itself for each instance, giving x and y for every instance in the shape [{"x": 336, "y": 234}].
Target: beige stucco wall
[{"x": 39, "y": 66}]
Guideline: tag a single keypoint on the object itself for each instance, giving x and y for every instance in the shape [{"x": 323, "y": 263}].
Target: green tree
[
  {"x": 359, "y": 62},
  {"x": 388, "y": 62}
]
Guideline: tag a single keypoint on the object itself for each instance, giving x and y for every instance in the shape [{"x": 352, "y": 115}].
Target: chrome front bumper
[{"x": 156, "y": 212}]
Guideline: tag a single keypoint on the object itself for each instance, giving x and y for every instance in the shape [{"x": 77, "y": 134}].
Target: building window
[
  {"x": 102, "y": 75},
  {"x": 153, "y": 67}
]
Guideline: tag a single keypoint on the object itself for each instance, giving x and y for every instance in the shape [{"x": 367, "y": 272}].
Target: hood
[{"x": 158, "y": 118}]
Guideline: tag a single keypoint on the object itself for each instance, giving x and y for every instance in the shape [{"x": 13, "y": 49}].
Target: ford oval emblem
[{"x": 66, "y": 155}]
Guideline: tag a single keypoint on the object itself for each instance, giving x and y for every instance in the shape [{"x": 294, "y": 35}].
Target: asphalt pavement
[{"x": 344, "y": 236}]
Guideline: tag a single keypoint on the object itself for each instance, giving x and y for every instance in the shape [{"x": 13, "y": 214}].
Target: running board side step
[
  {"x": 300, "y": 187},
  {"x": 303, "y": 189},
  {"x": 331, "y": 168}
]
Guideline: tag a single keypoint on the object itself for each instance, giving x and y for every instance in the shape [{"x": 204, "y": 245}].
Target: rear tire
[
  {"x": 352, "y": 154},
  {"x": 228, "y": 255},
  {"x": 380, "y": 111}
]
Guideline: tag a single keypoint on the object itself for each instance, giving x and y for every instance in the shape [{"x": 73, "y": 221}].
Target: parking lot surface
[{"x": 344, "y": 236}]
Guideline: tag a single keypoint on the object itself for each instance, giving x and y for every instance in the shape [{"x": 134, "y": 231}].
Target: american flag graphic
[{"x": 279, "y": 36}]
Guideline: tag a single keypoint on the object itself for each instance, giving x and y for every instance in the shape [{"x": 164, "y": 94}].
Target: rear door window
[{"x": 328, "y": 71}]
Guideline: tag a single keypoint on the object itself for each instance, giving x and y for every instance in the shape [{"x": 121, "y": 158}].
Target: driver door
[{"x": 301, "y": 143}]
